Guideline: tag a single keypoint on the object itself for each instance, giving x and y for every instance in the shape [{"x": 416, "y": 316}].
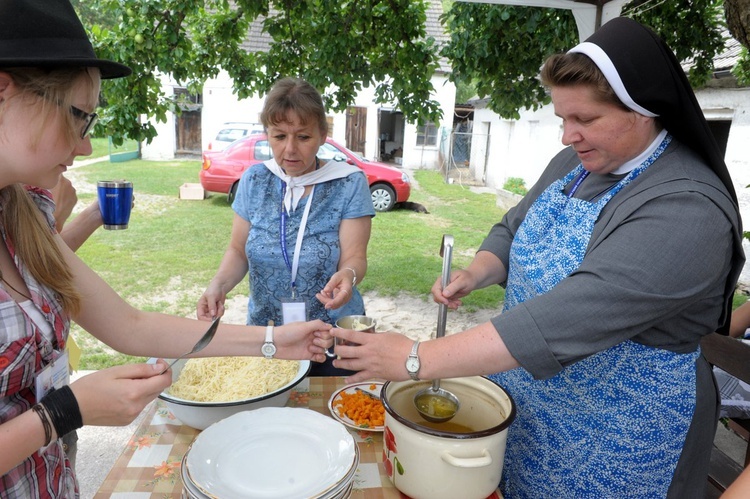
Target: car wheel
[
  {"x": 232, "y": 193},
  {"x": 383, "y": 197}
]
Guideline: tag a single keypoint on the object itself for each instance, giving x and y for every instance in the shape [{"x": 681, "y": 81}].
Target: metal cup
[
  {"x": 115, "y": 202},
  {"x": 360, "y": 323}
]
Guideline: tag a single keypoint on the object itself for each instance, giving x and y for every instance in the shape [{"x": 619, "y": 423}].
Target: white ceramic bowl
[{"x": 201, "y": 415}]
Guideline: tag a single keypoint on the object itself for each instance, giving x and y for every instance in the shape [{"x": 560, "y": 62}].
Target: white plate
[
  {"x": 340, "y": 489},
  {"x": 350, "y": 389},
  {"x": 271, "y": 452},
  {"x": 189, "y": 488}
]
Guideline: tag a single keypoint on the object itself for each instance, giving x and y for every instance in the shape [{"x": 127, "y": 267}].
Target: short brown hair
[
  {"x": 572, "y": 69},
  {"x": 294, "y": 94}
]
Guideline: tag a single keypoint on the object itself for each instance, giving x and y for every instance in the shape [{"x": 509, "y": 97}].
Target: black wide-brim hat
[{"x": 48, "y": 34}]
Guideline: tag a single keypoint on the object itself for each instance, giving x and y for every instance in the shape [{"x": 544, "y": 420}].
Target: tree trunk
[{"x": 738, "y": 20}]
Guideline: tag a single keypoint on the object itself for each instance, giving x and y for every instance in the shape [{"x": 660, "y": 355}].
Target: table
[{"x": 149, "y": 466}]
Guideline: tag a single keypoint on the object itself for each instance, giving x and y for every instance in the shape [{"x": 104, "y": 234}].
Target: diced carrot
[{"x": 364, "y": 410}]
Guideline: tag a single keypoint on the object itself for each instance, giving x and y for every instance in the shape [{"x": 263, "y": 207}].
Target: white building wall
[
  {"x": 162, "y": 147},
  {"x": 732, "y": 104},
  {"x": 523, "y": 148},
  {"x": 517, "y": 149},
  {"x": 221, "y": 105},
  {"x": 428, "y": 157}
]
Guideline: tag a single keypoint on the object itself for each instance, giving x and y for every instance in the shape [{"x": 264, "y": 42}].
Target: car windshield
[
  {"x": 230, "y": 134},
  {"x": 328, "y": 152}
]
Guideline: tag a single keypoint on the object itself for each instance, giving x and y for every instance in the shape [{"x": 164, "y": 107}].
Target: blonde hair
[
  {"x": 298, "y": 96},
  {"x": 51, "y": 91}
]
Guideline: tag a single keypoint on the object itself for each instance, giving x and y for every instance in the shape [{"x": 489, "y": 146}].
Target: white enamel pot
[{"x": 462, "y": 458}]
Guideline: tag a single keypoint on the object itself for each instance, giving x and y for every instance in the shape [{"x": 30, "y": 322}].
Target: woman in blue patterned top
[{"x": 301, "y": 225}]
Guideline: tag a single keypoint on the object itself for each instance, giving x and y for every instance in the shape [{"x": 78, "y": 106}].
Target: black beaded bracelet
[
  {"x": 45, "y": 423},
  {"x": 63, "y": 410}
]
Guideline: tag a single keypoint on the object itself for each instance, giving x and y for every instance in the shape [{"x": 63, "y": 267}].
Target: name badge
[
  {"x": 55, "y": 375},
  {"x": 293, "y": 310}
]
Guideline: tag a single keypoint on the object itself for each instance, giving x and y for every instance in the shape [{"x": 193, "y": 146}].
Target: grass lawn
[
  {"x": 173, "y": 247},
  {"x": 102, "y": 147}
]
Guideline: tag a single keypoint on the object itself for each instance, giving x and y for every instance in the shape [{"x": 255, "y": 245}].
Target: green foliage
[
  {"x": 338, "y": 46},
  {"x": 465, "y": 91},
  {"x": 691, "y": 28},
  {"x": 501, "y": 48},
  {"x": 343, "y": 47},
  {"x": 738, "y": 299},
  {"x": 742, "y": 69},
  {"x": 515, "y": 185}
]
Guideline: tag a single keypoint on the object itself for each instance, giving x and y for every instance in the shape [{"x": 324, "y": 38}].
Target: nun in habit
[{"x": 620, "y": 258}]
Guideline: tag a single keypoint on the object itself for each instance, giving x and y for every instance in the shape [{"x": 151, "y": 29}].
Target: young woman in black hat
[
  {"x": 621, "y": 257},
  {"x": 49, "y": 87}
]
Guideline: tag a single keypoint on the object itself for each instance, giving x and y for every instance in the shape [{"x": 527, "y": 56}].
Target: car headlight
[{"x": 405, "y": 178}]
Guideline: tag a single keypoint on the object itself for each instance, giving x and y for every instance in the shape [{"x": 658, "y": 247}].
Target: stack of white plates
[{"x": 271, "y": 453}]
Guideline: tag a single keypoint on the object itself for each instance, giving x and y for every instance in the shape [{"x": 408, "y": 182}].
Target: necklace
[{"x": 14, "y": 289}]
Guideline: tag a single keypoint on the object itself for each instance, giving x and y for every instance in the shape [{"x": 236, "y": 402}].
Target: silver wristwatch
[
  {"x": 412, "y": 362},
  {"x": 268, "y": 349}
]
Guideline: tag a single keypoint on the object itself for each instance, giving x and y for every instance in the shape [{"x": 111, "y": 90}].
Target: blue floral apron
[{"x": 613, "y": 424}]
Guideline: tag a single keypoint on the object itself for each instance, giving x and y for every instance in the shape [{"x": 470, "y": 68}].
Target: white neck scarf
[{"x": 295, "y": 186}]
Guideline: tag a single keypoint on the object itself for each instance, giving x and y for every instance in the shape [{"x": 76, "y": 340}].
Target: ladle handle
[{"x": 446, "y": 251}]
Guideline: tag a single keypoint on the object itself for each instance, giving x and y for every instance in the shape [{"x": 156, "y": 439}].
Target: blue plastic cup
[{"x": 115, "y": 202}]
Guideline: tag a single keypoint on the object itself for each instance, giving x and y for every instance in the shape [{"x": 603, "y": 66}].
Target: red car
[{"x": 222, "y": 170}]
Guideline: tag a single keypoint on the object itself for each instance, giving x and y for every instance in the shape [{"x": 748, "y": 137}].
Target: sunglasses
[{"x": 89, "y": 120}]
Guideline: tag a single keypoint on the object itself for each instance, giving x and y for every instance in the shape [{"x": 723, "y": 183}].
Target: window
[
  {"x": 230, "y": 134},
  {"x": 427, "y": 135},
  {"x": 327, "y": 152},
  {"x": 262, "y": 151}
]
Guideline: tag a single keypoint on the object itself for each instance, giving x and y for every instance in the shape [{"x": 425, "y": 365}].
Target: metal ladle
[{"x": 436, "y": 404}]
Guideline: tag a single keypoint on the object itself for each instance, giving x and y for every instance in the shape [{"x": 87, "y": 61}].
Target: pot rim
[{"x": 449, "y": 434}]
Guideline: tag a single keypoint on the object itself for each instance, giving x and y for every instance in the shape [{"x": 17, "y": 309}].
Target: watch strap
[
  {"x": 413, "y": 355},
  {"x": 269, "y": 349}
]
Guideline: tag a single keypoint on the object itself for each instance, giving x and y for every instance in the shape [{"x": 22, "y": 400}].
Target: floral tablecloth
[{"x": 149, "y": 466}]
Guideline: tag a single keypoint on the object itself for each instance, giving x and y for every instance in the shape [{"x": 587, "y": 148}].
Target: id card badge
[
  {"x": 293, "y": 310},
  {"x": 55, "y": 375}
]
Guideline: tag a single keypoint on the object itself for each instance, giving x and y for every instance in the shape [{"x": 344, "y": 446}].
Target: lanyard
[
  {"x": 294, "y": 265},
  {"x": 581, "y": 177}
]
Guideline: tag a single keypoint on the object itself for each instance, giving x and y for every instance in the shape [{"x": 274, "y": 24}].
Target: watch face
[
  {"x": 268, "y": 349},
  {"x": 412, "y": 364}
]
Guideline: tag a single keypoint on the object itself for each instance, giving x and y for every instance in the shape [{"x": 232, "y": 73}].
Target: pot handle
[{"x": 468, "y": 462}]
